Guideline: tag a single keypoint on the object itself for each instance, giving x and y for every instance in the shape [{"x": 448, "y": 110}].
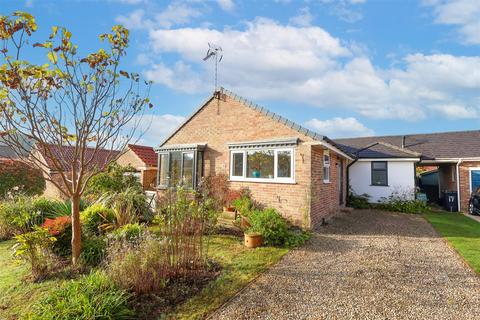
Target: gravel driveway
[{"x": 364, "y": 265}]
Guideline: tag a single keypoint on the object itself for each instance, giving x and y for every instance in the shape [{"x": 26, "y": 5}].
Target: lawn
[
  {"x": 239, "y": 266},
  {"x": 461, "y": 232}
]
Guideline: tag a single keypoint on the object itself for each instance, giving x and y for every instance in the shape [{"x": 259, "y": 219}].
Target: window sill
[
  {"x": 379, "y": 185},
  {"x": 326, "y": 182},
  {"x": 269, "y": 181}
]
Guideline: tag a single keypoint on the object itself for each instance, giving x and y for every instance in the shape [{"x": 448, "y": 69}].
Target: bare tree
[{"x": 72, "y": 108}]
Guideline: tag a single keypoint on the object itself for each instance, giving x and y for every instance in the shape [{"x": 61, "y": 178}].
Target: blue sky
[{"x": 342, "y": 68}]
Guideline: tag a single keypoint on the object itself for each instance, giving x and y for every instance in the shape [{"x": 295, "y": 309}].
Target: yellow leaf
[
  {"x": 54, "y": 32},
  {"x": 89, "y": 88},
  {"x": 52, "y": 56}
]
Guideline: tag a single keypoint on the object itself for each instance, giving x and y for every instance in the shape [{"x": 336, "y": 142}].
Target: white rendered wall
[{"x": 401, "y": 178}]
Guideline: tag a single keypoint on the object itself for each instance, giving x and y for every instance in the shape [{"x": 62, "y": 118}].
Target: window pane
[
  {"x": 163, "y": 170},
  {"x": 284, "y": 162},
  {"x": 237, "y": 165},
  {"x": 260, "y": 164},
  {"x": 379, "y": 177},
  {"x": 175, "y": 167},
  {"x": 187, "y": 177},
  {"x": 475, "y": 180},
  {"x": 326, "y": 173},
  {"x": 379, "y": 165}
]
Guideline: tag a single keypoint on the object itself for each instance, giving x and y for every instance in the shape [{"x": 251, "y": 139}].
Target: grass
[
  {"x": 462, "y": 232},
  {"x": 17, "y": 295},
  {"x": 240, "y": 265}
]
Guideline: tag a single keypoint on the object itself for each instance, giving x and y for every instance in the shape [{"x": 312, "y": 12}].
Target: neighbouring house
[
  {"x": 285, "y": 166},
  {"x": 144, "y": 160},
  {"x": 385, "y": 164},
  {"x": 48, "y": 155}
]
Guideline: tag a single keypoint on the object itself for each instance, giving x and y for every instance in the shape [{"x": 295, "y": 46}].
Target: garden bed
[{"x": 238, "y": 264}]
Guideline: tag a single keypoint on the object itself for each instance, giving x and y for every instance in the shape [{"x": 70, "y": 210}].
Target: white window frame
[
  {"x": 326, "y": 164},
  {"x": 275, "y": 178},
  {"x": 470, "y": 176}
]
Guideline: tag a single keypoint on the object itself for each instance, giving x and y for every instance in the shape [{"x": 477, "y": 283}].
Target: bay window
[{"x": 180, "y": 165}]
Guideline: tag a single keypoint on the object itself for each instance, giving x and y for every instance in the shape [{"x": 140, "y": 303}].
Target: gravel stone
[{"x": 365, "y": 264}]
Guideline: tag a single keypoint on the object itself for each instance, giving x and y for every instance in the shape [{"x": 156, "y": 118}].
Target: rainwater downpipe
[{"x": 458, "y": 183}]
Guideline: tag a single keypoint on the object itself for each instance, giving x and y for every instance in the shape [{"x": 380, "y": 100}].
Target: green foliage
[
  {"x": 402, "y": 202},
  {"x": 18, "y": 216},
  {"x": 92, "y": 297},
  {"x": 275, "y": 229},
  {"x": 244, "y": 205},
  {"x": 128, "y": 232},
  {"x": 34, "y": 248},
  {"x": 356, "y": 201},
  {"x": 18, "y": 175},
  {"x": 129, "y": 206},
  {"x": 114, "y": 179},
  {"x": 93, "y": 251},
  {"x": 96, "y": 218}
]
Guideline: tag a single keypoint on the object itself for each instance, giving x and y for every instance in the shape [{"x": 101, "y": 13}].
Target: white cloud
[
  {"x": 174, "y": 14},
  {"x": 340, "y": 127},
  {"x": 227, "y": 5},
  {"x": 456, "y": 112},
  {"x": 345, "y": 10},
  {"x": 303, "y": 19},
  {"x": 269, "y": 61},
  {"x": 155, "y": 128},
  {"x": 464, "y": 14}
]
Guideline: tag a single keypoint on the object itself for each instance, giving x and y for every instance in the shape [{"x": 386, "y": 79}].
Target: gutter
[{"x": 458, "y": 183}]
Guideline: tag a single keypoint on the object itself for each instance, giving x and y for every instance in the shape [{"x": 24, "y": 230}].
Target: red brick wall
[
  {"x": 221, "y": 122},
  {"x": 465, "y": 182},
  {"x": 325, "y": 196}
]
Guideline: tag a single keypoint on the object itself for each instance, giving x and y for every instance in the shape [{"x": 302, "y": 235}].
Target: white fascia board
[{"x": 389, "y": 159}]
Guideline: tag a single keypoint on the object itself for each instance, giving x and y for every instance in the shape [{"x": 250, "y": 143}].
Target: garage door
[{"x": 474, "y": 179}]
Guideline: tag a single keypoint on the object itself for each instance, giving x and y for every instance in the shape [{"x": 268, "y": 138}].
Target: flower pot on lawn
[{"x": 253, "y": 240}]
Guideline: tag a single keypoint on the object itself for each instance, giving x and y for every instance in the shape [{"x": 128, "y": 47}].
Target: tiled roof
[
  {"x": 7, "y": 153},
  {"x": 431, "y": 146},
  {"x": 145, "y": 153},
  {"x": 65, "y": 156},
  {"x": 385, "y": 150}
]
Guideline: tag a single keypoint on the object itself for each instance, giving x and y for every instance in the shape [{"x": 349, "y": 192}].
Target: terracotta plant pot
[{"x": 253, "y": 240}]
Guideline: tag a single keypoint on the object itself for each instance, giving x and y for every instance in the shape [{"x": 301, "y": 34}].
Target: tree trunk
[{"x": 76, "y": 229}]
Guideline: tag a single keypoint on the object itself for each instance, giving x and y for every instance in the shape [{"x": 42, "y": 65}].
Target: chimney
[{"x": 403, "y": 142}]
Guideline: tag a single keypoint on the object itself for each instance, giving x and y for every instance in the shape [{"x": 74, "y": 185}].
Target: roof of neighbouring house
[
  {"x": 64, "y": 155},
  {"x": 429, "y": 146},
  {"x": 145, "y": 153},
  {"x": 7, "y": 153}
]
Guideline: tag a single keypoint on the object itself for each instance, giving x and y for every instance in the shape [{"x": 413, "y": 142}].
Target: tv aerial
[{"x": 214, "y": 51}]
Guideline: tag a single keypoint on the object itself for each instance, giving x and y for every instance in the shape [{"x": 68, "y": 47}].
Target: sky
[{"x": 342, "y": 68}]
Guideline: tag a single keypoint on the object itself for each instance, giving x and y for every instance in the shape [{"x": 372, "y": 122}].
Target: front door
[{"x": 340, "y": 181}]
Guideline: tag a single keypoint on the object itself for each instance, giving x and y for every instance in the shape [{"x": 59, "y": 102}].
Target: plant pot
[
  {"x": 253, "y": 240},
  {"x": 229, "y": 209}
]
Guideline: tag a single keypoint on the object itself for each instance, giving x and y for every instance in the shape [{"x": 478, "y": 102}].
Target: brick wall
[
  {"x": 325, "y": 196},
  {"x": 221, "y": 122},
  {"x": 130, "y": 159},
  {"x": 51, "y": 191},
  {"x": 465, "y": 182},
  {"x": 148, "y": 176}
]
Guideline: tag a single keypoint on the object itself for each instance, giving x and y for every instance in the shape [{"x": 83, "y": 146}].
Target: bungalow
[
  {"x": 387, "y": 164},
  {"x": 144, "y": 160},
  {"x": 286, "y": 166}
]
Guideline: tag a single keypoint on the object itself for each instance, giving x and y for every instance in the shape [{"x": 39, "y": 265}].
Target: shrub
[
  {"x": 92, "y": 297},
  {"x": 18, "y": 216},
  {"x": 356, "y": 201},
  {"x": 215, "y": 188},
  {"x": 141, "y": 267},
  {"x": 129, "y": 206},
  {"x": 93, "y": 251},
  {"x": 179, "y": 251},
  {"x": 114, "y": 179},
  {"x": 403, "y": 202},
  {"x": 232, "y": 196},
  {"x": 128, "y": 232},
  {"x": 34, "y": 248},
  {"x": 244, "y": 205},
  {"x": 96, "y": 218},
  {"x": 61, "y": 229},
  {"x": 274, "y": 228},
  {"x": 18, "y": 175}
]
